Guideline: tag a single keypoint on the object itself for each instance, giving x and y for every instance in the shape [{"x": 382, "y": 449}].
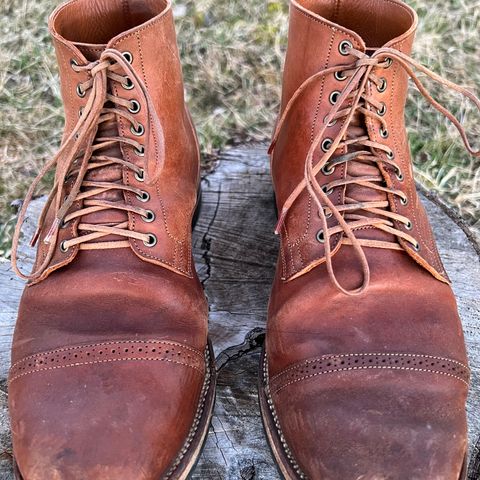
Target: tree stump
[{"x": 235, "y": 251}]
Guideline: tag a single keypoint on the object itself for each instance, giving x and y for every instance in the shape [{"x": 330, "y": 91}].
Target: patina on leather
[
  {"x": 110, "y": 367},
  {"x": 366, "y": 371}
]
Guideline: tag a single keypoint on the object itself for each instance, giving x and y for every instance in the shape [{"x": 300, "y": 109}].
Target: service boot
[
  {"x": 112, "y": 375},
  {"x": 365, "y": 372}
]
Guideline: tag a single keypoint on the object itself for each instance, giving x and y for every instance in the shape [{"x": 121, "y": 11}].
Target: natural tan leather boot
[
  {"x": 365, "y": 374},
  {"x": 112, "y": 377}
]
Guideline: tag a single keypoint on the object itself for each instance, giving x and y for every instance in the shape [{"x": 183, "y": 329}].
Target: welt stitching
[
  {"x": 347, "y": 355},
  {"x": 94, "y": 362},
  {"x": 369, "y": 367},
  {"x": 106, "y": 344}
]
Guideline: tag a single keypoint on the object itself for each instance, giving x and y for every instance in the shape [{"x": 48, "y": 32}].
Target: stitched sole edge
[
  {"x": 192, "y": 448},
  {"x": 286, "y": 463}
]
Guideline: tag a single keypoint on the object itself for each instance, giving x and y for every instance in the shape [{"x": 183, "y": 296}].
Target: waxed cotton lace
[
  {"x": 360, "y": 75},
  {"x": 81, "y": 153}
]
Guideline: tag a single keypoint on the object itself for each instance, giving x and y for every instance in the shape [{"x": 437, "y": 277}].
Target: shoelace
[
  {"x": 81, "y": 153},
  {"x": 348, "y": 215}
]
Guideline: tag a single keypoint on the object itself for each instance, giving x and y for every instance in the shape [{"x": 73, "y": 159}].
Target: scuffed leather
[
  {"x": 403, "y": 420},
  {"x": 109, "y": 348}
]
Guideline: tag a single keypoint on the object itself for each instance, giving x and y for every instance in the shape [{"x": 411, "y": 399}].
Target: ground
[{"x": 232, "y": 54}]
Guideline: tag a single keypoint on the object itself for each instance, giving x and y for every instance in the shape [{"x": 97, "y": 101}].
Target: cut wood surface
[{"x": 235, "y": 252}]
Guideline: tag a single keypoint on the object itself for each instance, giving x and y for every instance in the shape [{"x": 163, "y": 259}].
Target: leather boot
[
  {"x": 112, "y": 375},
  {"x": 365, "y": 372}
]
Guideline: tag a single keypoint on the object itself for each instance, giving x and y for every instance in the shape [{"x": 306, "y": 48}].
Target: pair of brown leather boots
[{"x": 365, "y": 373}]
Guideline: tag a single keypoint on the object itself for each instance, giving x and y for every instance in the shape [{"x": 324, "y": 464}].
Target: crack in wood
[
  {"x": 206, "y": 243},
  {"x": 254, "y": 340}
]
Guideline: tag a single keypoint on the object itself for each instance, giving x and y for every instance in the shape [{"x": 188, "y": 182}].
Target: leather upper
[
  {"x": 316, "y": 41},
  {"x": 109, "y": 352},
  {"x": 174, "y": 195},
  {"x": 371, "y": 385}
]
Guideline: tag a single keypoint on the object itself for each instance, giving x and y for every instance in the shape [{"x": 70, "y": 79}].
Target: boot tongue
[
  {"x": 111, "y": 173},
  {"x": 358, "y": 168},
  {"x": 91, "y": 51}
]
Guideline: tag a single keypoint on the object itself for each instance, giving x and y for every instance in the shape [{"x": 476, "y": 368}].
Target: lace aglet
[
  {"x": 35, "y": 237},
  {"x": 280, "y": 222},
  {"x": 52, "y": 231},
  {"x": 271, "y": 147}
]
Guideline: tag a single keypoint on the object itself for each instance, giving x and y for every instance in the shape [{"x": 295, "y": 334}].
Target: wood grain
[{"x": 235, "y": 253}]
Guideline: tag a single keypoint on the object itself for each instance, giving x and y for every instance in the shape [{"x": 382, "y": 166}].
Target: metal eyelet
[
  {"x": 152, "y": 240},
  {"x": 140, "y": 151},
  {"x": 383, "y": 110},
  {"x": 384, "y": 133},
  {"x": 340, "y": 76},
  {"x": 74, "y": 63},
  {"x": 144, "y": 197},
  {"x": 138, "y": 132},
  {"x": 81, "y": 93},
  {"x": 399, "y": 175},
  {"x": 64, "y": 225},
  {"x": 128, "y": 84},
  {"x": 404, "y": 201},
  {"x": 149, "y": 216},
  {"x": 140, "y": 176},
  {"x": 409, "y": 225},
  {"x": 391, "y": 155},
  {"x": 63, "y": 248},
  {"x": 383, "y": 85},
  {"x": 345, "y": 47},
  {"x": 320, "y": 236},
  {"x": 135, "y": 106},
  {"x": 416, "y": 247},
  {"x": 327, "y": 144},
  {"x": 334, "y": 97},
  {"x": 389, "y": 62},
  {"x": 327, "y": 169},
  {"x": 328, "y": 215},
  {"x": 326, "y": 190},
  {"x": 128, "y": 57},
  {"x": 329, "y": 124},
  {"x": 80, "y": 112}
]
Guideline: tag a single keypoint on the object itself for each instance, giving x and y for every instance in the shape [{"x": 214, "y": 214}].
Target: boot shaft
[
  {"x": 155, "y": 128},
  {"x": 321, "y": 37}
]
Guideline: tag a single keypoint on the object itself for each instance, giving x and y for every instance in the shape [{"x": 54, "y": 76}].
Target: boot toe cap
[
  {"x": 375, "y": 424},
  {"x": 111, "y": 410}
]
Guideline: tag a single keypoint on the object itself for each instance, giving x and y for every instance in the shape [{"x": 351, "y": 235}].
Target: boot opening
[
  {"x": 376, "y": 21},
  {"x": 79, "y": 22}
]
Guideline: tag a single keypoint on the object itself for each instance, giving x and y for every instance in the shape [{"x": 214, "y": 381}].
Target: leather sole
[
  {"x": 286, "y": 463},
  {"x": 192, "y": 448}
]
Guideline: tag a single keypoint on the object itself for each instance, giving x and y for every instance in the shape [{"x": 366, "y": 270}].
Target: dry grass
[{"x": 232, "y": 54}]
